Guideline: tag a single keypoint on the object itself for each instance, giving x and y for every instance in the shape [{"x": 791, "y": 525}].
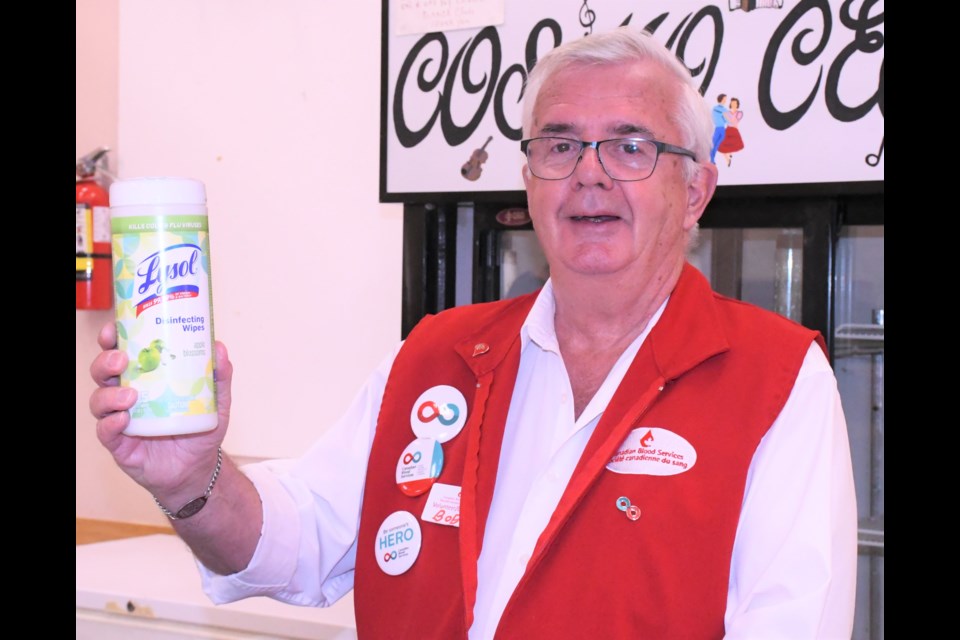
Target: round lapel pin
[
  {"x": 632, "y": 511},
  {"x": 419, "y": 466},
  {"x": 398, "y": 543},
  {"x": 440, "y": 413}
]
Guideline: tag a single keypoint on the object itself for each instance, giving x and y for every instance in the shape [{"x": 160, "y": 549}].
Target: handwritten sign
[
  {"x": 423, "y": 16},
  {"x": 802, "y": 80}
]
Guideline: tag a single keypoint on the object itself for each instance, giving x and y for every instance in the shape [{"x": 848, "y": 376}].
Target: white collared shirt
[
  {"x": 536, "y": 464},
  {"x": 791, "y": 576}
]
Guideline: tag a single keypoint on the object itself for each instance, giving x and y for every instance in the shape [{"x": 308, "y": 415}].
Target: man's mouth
[{"x": 594, "y": 219}]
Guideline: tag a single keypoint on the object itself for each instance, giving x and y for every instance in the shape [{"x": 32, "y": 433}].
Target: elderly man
[{"x": 621, "y": 454}]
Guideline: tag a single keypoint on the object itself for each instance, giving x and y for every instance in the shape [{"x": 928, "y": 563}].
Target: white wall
[
  {"x": 275, "y": 106},
  {"x": 103, "y": 491}
]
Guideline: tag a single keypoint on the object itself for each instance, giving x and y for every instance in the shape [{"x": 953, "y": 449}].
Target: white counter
[{"x": 148, "y": 588}]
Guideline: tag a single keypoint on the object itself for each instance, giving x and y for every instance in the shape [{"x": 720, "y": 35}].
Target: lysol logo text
[{"x": 169, "y": 274}]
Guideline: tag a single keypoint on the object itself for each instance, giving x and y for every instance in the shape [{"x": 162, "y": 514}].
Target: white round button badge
[
  {"x": 419, "y": 466},
  {"x": 440, "y": 413},
  {"x": 398, "y": 543}
]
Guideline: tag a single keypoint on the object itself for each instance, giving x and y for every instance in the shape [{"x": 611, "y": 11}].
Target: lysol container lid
[{"x": 157, "y": 190}]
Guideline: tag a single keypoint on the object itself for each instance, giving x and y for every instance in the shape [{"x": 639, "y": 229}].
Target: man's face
[{"x": 589, "y": 224}]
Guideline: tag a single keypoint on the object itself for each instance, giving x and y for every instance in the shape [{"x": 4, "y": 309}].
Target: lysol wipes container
[{"x": 164, "y": 303}]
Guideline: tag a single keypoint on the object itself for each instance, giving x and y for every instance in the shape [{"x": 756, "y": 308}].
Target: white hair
[{"x": 626, "y": 44}]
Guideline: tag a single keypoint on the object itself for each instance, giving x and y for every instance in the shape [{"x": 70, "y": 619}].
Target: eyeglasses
[{"x": 623, "y": 159}]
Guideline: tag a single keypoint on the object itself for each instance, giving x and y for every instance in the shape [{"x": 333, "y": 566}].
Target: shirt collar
[{"x": 540, "y": 329}]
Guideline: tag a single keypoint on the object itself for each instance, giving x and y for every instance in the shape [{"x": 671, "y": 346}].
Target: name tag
[
  {"x": 443, "y": 505},
  {"x": 653, "y": 451}
]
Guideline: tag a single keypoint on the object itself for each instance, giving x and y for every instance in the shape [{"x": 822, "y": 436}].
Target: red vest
[{"x": 714, "y": 371}]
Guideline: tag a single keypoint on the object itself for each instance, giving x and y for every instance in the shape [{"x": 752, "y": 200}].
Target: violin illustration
[{"x": 472, "y": 168}]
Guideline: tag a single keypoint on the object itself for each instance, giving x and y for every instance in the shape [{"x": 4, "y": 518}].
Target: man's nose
[{"x": 589, "y": 169}]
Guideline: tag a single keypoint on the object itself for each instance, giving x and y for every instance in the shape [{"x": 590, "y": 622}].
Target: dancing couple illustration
[{"x": 727, "y": 139}]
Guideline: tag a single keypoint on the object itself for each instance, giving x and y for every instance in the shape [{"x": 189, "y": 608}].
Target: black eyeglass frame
[{"x": 662, "y": 147}]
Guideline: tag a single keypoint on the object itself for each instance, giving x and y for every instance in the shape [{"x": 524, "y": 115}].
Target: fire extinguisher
[{"x": 94, "y": 260}]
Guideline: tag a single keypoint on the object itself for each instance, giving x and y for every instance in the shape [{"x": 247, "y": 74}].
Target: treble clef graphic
[
  {"x": 873, "y": 159},
  {"x": 587, "y": 18}
]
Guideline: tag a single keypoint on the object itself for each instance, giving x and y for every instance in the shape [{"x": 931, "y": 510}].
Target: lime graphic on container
[{"x": 164, "y": 303}]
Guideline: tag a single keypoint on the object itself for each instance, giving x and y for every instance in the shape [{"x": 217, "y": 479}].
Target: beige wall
[
  {"x": 308, "y": 308},
  {"x": 102, "y": 490}
]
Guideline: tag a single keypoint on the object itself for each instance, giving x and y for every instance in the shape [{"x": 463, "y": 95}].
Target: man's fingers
[
  {"x": 110, "y": 406},
  {"x": 107, "y": 367},
  {"x": 107, "y": 338}
]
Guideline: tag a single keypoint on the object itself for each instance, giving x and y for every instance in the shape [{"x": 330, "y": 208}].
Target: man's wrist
[{"x": 194, "y": 506}]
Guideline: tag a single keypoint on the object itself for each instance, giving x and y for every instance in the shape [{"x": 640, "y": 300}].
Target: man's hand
[{"x": 175, "y": 469}]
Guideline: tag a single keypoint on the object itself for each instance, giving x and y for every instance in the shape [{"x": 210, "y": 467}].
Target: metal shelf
[
  {"x": 870, "y": 534},
  {"x": 865, "y": 332}
]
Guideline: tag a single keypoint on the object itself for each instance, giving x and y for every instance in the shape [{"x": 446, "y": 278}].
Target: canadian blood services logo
[
  {"x": 419, "y": 466},
  {"x": 398, "y": 543},
  {"x": 653, "y": 451},
  {"x": 440, "y": 413},
  {"x": 446, "y": 414}
]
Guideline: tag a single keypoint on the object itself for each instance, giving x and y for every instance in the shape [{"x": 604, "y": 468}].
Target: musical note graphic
[
  {"x": 587, "y": 18},
  {"x": 873, "y": 159}
]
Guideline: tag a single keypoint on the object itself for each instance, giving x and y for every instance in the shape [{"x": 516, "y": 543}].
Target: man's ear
[{"x": 700, "y": 191}]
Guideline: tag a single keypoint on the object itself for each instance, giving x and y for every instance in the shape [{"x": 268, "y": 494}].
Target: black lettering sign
[
  {"x": 866, "y": 39},
  {"x": 453, "y": 133},
  {"x": 406, "y": 136},
  {"x": 474, "y": 73}
]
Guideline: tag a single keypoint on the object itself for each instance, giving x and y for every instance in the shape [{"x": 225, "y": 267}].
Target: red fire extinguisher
[{"x": 94, "y": 260}]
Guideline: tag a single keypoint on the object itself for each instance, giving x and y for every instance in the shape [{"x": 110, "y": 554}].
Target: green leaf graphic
[
  {"x": 159, "y": 409},
  {"x": 130, "y": 243}
]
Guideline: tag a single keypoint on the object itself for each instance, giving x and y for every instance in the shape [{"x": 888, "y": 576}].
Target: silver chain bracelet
[{"x": 192, "y": 507}]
